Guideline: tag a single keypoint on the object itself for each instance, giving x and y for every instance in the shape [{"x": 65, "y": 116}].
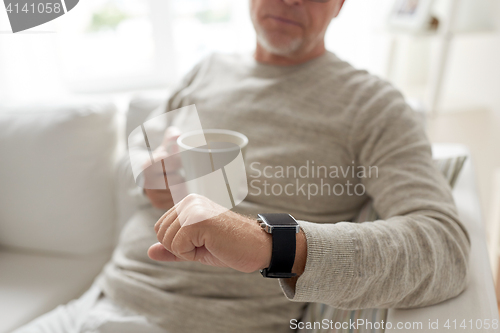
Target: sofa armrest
[{"x": 478, "y": 302}]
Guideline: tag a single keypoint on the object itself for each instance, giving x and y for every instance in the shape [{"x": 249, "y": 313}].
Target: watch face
[{"x": 278, "y": 219}]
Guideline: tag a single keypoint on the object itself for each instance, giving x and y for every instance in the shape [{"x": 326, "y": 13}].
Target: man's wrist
[
  {"x": 300, "y": 251},
  {"x": 267, "y": 247},
  {"x": 299, "y": 264}
]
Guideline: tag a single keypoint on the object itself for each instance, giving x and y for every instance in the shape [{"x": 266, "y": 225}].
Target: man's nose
[{"x": 294, "y": 2}]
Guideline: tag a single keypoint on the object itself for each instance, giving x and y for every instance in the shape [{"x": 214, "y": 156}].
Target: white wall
[
  {"x": 472, "y": 77},
  {"x": 358, "y": 34}
]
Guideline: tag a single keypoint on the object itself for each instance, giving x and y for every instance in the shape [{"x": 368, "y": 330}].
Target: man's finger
[
  {"x": 165, "y": 225},
  {"x": 163, "y": 217},
  {"x": 170, "y": 234},
  {"x": 172, "y": 163},
  {"x": 171, "y": 135},
  {"x": 185, "y": 243},
  {"x": 159, "y": 222},
  {"x": 159, "y": 253},
  {"x": 164, "y": 195}
]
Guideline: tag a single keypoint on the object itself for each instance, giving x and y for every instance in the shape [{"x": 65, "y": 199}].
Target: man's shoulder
[
  {"x": 353, "y": 85},
  {"x": 363, "y": 95},
  {"x": 346, "y": 73}
]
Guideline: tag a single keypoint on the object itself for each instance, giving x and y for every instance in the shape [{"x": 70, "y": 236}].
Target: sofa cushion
[
  {"x": 32, "y": 284},
  {"x": 56, "y": 184}
]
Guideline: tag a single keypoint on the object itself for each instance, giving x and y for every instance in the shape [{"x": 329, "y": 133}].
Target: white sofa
[
  {"x": 62, "y": 202},
  {"x": 478, "y": 302},
  {"x": 57, "y": 203}
]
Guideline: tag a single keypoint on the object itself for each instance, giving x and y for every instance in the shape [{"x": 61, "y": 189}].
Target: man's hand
[
  {"x": 162, "y": 198},
  {"x": 225, "y": 240}
]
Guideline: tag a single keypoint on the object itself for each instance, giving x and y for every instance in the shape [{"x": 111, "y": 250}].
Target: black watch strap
[{"x": 284, "y": 245}]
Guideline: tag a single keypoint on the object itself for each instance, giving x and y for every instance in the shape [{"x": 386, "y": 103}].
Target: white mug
[{"x": 213, "y": 166}]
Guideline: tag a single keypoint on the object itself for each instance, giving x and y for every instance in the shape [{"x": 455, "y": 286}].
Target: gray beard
[{"x": 281, "y": 50}]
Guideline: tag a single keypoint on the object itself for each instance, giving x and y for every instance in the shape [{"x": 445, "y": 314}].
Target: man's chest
[{"x": 296, "y": 158}]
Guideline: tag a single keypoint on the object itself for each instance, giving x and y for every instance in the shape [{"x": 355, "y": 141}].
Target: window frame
[{"x": 164, "y": 70}]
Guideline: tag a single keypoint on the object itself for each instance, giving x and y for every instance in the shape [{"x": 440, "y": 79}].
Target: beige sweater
[{"x": 324, "y": 118}]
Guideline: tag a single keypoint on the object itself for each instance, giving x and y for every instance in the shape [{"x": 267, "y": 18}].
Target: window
[
  {"x": 201, "y": 27},
  {"x": 109, "y": 44},
  {"x": 129, "y": 44}
]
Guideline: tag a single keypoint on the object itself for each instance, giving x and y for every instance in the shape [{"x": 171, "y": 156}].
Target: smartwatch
[{"x": 283, "y": 228}]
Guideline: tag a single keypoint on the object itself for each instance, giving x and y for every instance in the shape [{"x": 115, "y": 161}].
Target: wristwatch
[{"x": 283, "y": 229}]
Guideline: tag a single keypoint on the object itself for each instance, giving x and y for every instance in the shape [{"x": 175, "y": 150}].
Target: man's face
[{"x": 288, "y": 27}]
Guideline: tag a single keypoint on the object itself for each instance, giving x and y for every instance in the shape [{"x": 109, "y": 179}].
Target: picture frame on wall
[{"x": 411, "y": 15}]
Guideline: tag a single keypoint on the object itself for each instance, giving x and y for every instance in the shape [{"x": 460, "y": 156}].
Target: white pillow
[{"x": 56, "y": 184}]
